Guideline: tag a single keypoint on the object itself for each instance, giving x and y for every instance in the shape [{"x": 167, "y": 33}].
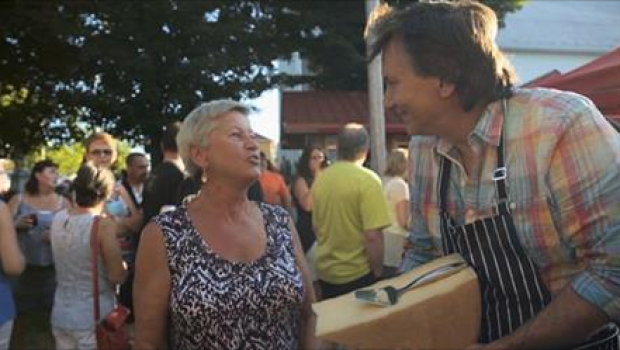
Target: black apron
[{"x": 512, "y": 290}]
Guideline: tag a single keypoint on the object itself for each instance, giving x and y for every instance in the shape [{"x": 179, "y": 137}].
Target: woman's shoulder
[
  {"x": 301, "y": 180},
  {"x": 173, "y": 221},
  {"x": 395, "y": 181},
  {"x": 273, "y": 212},
  {"x": 62, "y": 213}
]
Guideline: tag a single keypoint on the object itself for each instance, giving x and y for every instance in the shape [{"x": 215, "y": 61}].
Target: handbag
[{"x": 112, "y": 331}]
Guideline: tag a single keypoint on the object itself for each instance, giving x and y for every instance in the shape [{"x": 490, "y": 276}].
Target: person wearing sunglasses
[{"x": 101, "y": 150}]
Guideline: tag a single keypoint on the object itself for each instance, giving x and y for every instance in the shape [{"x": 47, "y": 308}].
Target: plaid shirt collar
[{"x": 487, "y": 131}]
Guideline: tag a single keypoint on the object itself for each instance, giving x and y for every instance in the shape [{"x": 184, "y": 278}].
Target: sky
[{"x": 266, "y": 121}]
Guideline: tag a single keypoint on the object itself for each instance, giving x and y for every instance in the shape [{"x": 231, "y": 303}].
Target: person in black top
[
  {"x": 162, "y": 187},
  {"x": 133, "y": 181},
  {"x": 312, "y": 161},
  {"x": 135, "y": 177}
]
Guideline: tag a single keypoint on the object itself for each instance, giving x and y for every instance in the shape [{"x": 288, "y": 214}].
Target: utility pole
[{"x": 375, "y": 107}]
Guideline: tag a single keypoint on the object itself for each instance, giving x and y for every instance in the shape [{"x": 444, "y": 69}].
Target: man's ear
[{"x": 446, "y": 89}]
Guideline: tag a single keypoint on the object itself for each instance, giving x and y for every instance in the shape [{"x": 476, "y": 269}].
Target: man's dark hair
[
  {"x": 169, "y": 137},
  {"x": 450, "y": 40},
  {"x": 132, "y": 156},
  {"x": 352, "y": 141}
]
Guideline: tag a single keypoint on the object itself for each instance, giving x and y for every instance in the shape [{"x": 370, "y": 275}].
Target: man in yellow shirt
[{"x": 349, "y": 211}]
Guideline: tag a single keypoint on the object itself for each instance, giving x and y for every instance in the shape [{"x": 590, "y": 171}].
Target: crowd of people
[{"x": 213, "y": 249}]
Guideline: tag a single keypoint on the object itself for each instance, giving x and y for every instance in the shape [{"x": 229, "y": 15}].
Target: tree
[
  {"x": 129, "y": 67},
  {"x": 335, "y": 48}
]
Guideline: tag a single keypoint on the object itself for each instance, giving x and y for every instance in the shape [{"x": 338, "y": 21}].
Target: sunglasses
[{"x": 101, "y": 152}]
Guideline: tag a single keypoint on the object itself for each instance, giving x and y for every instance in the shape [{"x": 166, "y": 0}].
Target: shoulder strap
[
  {"x": 20, "y": 206},
  {"x": 94, "y": 248}
]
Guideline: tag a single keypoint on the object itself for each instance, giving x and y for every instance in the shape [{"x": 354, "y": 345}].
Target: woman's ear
[
  {"x": 199, "y": 155},
  {"x": 38, "y": 176}
]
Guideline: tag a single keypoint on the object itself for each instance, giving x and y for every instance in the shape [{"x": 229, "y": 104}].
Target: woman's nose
[{"x": 252, "y": 143}]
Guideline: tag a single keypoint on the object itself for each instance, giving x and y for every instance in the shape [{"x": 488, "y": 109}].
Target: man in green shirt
[{"x": 349, "y": 211}]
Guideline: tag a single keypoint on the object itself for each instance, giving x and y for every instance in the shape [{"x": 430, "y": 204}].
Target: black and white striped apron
[{"x": 512, "y": 290}]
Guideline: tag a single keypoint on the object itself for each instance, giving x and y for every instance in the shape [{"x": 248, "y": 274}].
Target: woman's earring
[{"x": 204, "y": 178}]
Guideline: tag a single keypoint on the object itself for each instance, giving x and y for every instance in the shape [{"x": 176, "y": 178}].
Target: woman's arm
[
  {"x": 11, "y": 257},
  {"x": 133, "y": 222},
  {"x": 402, "y": 213},
  {"x": 302, "y": 193},
  {"x": 112, "y": 256},
  {"x": 25, "y": 221},
  {"x": 308, "y": 318},
  {"x": 151, "y": 290}
]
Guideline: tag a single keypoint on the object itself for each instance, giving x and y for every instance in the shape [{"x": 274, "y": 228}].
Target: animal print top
[{"x": 220, "y": 304}]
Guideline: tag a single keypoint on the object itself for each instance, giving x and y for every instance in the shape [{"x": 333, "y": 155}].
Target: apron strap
[
  {"x": 501, "y": 172},
  {"x": 499, "y": 176}
]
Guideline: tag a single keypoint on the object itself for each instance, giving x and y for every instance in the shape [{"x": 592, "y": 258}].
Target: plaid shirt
[{"x": 563, "y": 161}]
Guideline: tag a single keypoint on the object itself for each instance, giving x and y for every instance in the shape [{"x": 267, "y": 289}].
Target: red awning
[
  {"x": 599, "y": 80},
  {"x": 325, "y": 112}
]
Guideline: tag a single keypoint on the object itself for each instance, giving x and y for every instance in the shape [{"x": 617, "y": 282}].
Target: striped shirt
[{"x": 563, "y": 163}]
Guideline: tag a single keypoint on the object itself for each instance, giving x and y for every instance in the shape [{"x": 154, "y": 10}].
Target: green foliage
[
  {"x": 68, "y": 157},
  {"x": 129, "y": 67},
  {"x": 338, "y": 54}
]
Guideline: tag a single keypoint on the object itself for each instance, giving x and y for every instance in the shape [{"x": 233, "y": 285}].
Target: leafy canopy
[{"x": 129, "y": 67}]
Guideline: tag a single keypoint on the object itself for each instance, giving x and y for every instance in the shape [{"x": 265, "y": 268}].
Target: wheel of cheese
[{"x": 444, "y": 314}]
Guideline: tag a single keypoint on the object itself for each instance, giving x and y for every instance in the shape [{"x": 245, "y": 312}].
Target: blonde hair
[
  {"x": 101, "y": 136},
  {"x": 199, "y": 124},
  {"x": 396, "y": 162}
]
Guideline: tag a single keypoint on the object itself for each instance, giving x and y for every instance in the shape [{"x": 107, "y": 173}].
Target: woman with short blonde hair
[{"x": 222, "y": 271}]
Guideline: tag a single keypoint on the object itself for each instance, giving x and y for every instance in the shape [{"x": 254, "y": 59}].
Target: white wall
[
  {"x": 559, "y": 34},
  {"x": 531, "y": 65}
]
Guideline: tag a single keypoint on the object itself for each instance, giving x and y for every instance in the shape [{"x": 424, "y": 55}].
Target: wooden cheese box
[{"x": 444, "y": 314}]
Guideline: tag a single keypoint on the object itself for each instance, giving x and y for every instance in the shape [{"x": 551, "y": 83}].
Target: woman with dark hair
[
  {"x": 72, "y": 316},
  {"x": 33, "y": 212},
  {"x": 311, "y": 162}
]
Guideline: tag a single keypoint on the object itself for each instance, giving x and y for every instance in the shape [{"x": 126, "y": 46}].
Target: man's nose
[{"x": 387, "y": 99}]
